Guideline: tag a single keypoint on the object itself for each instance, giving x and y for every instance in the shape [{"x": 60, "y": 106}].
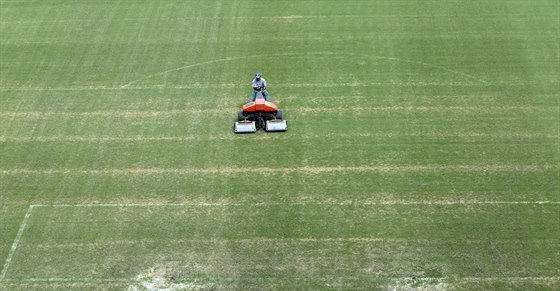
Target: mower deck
[{"x": 260, "y": 114}]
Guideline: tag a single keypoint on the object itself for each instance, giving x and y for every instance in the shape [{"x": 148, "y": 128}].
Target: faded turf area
[{"x": 423, "y": 148}]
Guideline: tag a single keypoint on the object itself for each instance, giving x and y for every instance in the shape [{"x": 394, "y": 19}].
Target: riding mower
[{"x": 260, "y": 114}]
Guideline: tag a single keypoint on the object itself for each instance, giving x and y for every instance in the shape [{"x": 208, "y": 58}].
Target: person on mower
[{"x": 259, "y": 84}]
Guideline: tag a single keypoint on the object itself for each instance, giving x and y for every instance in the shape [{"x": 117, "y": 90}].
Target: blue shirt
[{"x": 259, "y": 83}]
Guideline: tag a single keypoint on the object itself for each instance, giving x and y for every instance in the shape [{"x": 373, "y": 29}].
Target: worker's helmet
[{"x": 258, "y": 75}]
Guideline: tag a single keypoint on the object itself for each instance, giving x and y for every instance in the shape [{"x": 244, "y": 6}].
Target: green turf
[{"x": 423, "y": 147}]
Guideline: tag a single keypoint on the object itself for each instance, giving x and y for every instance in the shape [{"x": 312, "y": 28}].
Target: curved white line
[
  {"x": 198, "y": 64},
  {"x": 306, "y": 54}
]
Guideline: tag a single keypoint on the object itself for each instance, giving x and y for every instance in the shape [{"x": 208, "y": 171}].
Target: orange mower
[{"x": 260, "y": 114}]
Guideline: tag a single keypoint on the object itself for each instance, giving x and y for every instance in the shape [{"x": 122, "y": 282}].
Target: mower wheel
[
  {"x": 240, "y": 116},
  {"x": 279, "y": 114}
]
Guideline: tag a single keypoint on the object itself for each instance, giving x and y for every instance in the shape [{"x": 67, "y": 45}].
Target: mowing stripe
[
  {"x": 74, "y": 280},
  {"x": 196, "y": 85},
  {"x": 169, "y": 113},
  {"x": 277, "y": 85},
  {"x": 22, "y": 227},
  {"x": 261, "y": 240},
  {"x": 479, "y": 279},
  {"x": 69, "y": 281},
  {"x": 281, "y": 17},
  {"x": 230, "y": 136},
  {"x": 310, "y": 202},
  {"x": 106, "y": 114},
  {"x": 303, "y": 170},
  {"x": 398, "y": 279},
  {"x": 257, "y": 240}
]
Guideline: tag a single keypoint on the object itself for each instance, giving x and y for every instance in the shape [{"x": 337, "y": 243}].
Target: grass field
[{"x": 423, "y": 148}]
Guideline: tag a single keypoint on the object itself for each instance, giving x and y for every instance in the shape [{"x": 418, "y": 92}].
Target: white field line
[
  {"x": 269, "y": 171},
  {"x": 22, "y": 227}
]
